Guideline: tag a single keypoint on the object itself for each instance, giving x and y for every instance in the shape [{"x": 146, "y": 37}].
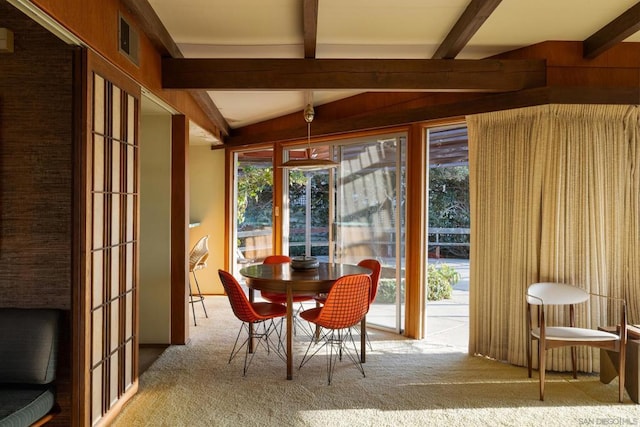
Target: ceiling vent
[{"x": 128, "y": 40}]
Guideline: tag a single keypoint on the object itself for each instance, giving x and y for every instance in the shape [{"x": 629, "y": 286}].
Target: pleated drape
[{"x": 554, "y": 197}]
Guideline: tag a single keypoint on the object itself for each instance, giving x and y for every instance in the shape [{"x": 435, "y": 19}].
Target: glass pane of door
[
  {"x": 447, "y": 305},
  {"x": 309, "y": 213},
  {"x": 253, "y": 199},
  {"x": 354, "y": 212},
  {"x": 369, "y": 221}
]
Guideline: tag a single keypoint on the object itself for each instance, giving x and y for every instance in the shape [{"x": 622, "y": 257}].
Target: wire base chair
[
  {"x": 261, "y": 338},
  {"x": 375, "y": 267},
  {"x": 258, "y": 321},
  {"x": 337, "y": 342},
  {"x": 346, "y": 305}
]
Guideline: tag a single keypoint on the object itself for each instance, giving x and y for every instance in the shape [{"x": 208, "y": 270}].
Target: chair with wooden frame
[
  {"x": 346, "y": 305},
  {"x": 547, "y": 294},
  {"x": 254, "y": 314},
  {"x": 197, "y": 261}
]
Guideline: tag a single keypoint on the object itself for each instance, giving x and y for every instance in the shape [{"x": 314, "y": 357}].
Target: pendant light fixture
[{"x": 310, "y": 163}]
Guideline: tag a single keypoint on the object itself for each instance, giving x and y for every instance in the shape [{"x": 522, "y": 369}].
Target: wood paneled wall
[
  {"x": 179, "y": 228},
  {"x": 611, "y": 78},
  {"x": 618, "y": 67}
]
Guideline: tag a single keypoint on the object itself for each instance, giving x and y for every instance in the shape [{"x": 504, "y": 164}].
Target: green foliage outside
[
  {"x": 449, "y": 206},
  {"x": 319, "y": 205},
  {"x": 441, "y": 279},
  {"x": 448, "y": 197},
  {"x": 255, "y": 195},
  {"x": 255, "y": 204},
  {"x": 387, "y": 291}
]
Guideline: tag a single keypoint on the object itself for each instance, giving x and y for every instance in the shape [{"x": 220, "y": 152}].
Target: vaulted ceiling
[{"x": 253, "y": 60}]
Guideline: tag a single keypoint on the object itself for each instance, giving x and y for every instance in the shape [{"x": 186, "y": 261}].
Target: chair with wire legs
[
  {"x": 375, "y": 267},
  {"x": 346, "y": 305},
  {"x": 260, "y": 314},
  {"x": 281, "y": 298},
  {"x": 197, "y": 261}
]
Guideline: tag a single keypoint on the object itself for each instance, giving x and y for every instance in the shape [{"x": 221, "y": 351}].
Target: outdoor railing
[
  {"x": 438, "y": 233},
  {"x": 438, "y": 238}
]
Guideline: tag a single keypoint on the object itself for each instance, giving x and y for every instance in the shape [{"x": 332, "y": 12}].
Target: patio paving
[{"x": 448, "y": 320}]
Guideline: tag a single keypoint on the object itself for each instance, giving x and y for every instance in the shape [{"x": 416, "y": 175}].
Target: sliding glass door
[
  {"x": 354, "y": 212},
  {"x": 369, "y": 218},
  {"x": 253, "y": 199}
]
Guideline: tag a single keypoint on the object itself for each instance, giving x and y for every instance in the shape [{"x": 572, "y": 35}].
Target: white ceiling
[{"x": 391, "y": 29}]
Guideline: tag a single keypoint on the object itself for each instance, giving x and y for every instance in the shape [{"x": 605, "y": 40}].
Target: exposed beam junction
[
  {"x": 614, "y": 32},
  {"x": 468, "y": 24}
]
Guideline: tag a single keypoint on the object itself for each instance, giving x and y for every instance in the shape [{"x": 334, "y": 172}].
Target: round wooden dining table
[{"x": 282, "y": 278}]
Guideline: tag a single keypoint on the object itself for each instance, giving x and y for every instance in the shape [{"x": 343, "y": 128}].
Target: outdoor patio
[{"x": 448, "y": 320}]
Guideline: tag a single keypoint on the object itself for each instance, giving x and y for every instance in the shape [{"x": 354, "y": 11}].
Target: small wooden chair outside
[{"x": 546, "y": 294}]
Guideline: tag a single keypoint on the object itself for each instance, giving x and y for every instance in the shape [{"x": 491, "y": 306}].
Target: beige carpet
[{"x": 408, "y": 383}]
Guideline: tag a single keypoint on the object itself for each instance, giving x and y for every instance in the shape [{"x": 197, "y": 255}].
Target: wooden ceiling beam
[
  {"x": 487, "y": 75},
  {"x": 206, "y": 104},
  {"x": 614, "y": 32},
  {"x": 310, "y": 27},
  {"x": 467, "y": 25}
]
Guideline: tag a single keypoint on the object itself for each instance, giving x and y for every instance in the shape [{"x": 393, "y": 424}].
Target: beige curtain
[{"x": 554, "y": 197}]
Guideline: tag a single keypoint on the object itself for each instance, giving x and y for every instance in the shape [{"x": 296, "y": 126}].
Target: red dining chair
[
  {"x": 375, "y": 267},
  {"x": 346, "y": 305},
  {"x": 257, "y": 314},
  {"x": 281, "y": 298},
  {"x": 276, "y": 259}
]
